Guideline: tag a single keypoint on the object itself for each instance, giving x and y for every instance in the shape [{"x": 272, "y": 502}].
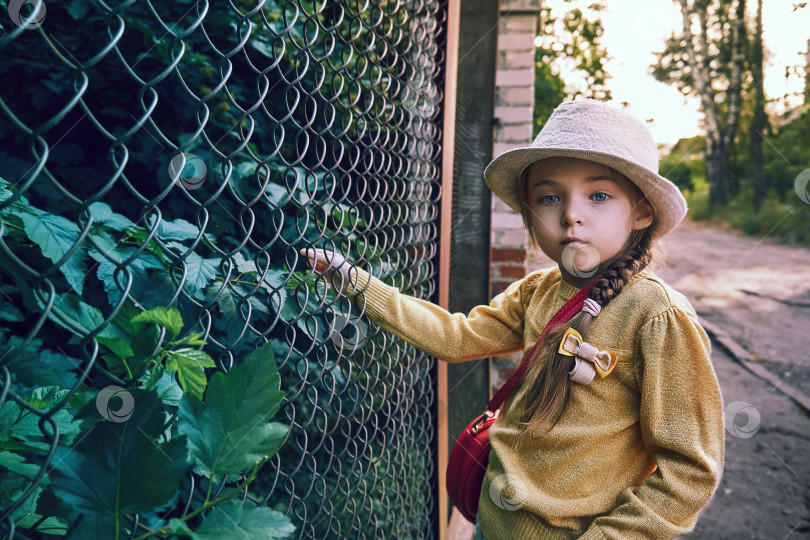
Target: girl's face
[{"x": 582, "y": 214}]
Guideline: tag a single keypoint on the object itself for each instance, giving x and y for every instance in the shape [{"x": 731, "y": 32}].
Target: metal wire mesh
[{"x": 186, "y": 151}]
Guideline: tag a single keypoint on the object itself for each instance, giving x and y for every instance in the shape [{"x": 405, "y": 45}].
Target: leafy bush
[
  {"x": 111, "y": 463},
  {"x": 784, "y": 214},
  {"x": 293, "y": 129}
]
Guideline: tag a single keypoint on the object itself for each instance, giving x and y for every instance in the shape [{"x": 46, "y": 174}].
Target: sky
[{"x": 634, "y": 29}]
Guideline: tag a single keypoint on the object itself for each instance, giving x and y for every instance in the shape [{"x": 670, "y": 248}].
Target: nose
[{"x": 573, "y": 214}]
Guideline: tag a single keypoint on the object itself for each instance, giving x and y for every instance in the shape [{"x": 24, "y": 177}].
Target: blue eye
[
  {"x": 601, "y": 196},
  {"x": 545, "y": 199}
]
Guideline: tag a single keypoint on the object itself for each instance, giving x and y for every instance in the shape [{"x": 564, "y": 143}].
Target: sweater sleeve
[
  {"x": 452, "y": 337},
  {"x": 682, "y": 426}
]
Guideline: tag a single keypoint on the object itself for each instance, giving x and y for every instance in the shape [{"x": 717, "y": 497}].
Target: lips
[{"x": 572, "y": 240}]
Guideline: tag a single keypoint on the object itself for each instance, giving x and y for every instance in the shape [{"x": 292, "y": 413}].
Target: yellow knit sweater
[{"x": 634, "y": 455}]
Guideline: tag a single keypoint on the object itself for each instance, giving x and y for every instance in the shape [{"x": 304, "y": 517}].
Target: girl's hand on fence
[{"x": 333, "y": 266}]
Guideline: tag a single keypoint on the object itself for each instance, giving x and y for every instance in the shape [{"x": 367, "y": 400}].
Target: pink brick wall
[{"x": 514, "y": 103}]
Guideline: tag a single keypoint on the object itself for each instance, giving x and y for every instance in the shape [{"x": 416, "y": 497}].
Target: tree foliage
[
  {"x": 708, "y": 60},
  {"x": 568, "y": 39}
]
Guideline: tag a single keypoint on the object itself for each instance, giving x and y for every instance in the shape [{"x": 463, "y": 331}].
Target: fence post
[
  {"x": 448, "y": 152},
  {"x": 468, "y": 383}
]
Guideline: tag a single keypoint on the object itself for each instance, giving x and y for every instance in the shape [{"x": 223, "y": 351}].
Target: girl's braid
[{"x": 616, "y": 276}]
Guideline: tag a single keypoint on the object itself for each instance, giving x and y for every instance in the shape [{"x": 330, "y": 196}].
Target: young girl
[{"x": 625, "y": 443}]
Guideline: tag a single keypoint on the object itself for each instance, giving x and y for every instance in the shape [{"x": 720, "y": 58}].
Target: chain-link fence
[{"x": 179, "y": 155}]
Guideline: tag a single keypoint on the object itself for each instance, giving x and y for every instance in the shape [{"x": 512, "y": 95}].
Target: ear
[{"x": 643, "y": 215}]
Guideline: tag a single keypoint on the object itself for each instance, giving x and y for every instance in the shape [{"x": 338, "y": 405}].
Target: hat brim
[{"x": 502, "y": 176}]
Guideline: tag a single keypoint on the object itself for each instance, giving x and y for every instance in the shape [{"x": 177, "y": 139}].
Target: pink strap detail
[
  {"x": 590, "y": 306},
  {"x": 571, "y": 308}
]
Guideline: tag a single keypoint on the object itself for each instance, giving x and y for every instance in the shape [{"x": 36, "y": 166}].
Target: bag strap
[{"x": 571, "y": 308}]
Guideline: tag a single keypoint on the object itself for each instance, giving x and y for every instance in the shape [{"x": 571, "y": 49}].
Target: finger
[{"x": 311, "y": 254}]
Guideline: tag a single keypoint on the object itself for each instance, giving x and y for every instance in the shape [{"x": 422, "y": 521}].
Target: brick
[
  {"x": 512, "y": 271},
  {"x": 514, "y": 77},
  {"x": 507, "y": 220},
  {"x": 512, "y": 42},
  {"x": 499, "y": 148},
  {"x": 515, "y": 59},
  {"x": 521, "y": 23},
  {"x": 509, "y": 238},
  {"x": 517, "y": 133},
  {"x": 514, "y": 115},
  {"x": 508, "y": 255},
  {"x": 512, "y": 96},
  {"x": 512, "y": 6}
]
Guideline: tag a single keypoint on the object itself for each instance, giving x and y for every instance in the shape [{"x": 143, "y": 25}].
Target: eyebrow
[{"x": 548, "y": 181}]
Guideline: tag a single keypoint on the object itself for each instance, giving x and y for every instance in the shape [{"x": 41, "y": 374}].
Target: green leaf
[
  {"x": 230, "y": 432},
  {"x": 124, "y": 316},
  {"x": 189, "y": 364},
  {"x": 16, "y": 463},
  {"x": 192, "y": 340},
  {"x": 46, "y": 397},
  {"x": 78, "y": 11},
  {"x": 179, "y": 229},
  {"x": 55, "y": 236},
  {"x": 178, "y": 527},
  {"x": 238, "y": 520},
  {"x": 122, "y": 468},
  {"x": 26, "y": 517},
  {"x": 116, "y": 365},
  {"x": 278, "y": 195},
  {"x": 106, "y": 274},
  {"x": 199, "y": 272},
  {"x": 19, "y": 206},
  {"x": 102, "y": 213},
  {"x": 8, "y": 312},
  {"x": 192, "y": 357},
  {"x": 118, "y": 346},
  {"x": 34, "y": 367},
  {"x": 19, "y": 427},
  {"x": 117, "y": 252},
  {"x": 168, "y": 390},
  {"x": 243, "y": 265},
  {"x": 168, "y": 318},
  {"x": 82, "y": 316}
]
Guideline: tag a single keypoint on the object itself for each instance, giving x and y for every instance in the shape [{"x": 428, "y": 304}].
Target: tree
[
  {"x": 573, "y": 40},
  {"x": 708, "y": 60},
  {"x": 760, "y": 118}
]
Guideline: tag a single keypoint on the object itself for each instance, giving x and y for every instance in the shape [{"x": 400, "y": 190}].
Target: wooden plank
[{"x": 448, "y": 153}]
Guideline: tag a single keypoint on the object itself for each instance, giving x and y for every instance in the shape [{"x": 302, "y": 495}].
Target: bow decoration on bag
[{"x": 588, "y": 360}]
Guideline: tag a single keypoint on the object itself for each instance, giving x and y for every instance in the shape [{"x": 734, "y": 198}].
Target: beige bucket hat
[{"x": 598, "y": 132}]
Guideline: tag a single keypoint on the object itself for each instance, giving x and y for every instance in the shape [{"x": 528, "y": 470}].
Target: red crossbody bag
[{"x": 470, "y": 456}]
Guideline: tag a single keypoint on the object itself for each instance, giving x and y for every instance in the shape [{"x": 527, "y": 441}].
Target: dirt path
[{"x": 759, "y": 294}]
